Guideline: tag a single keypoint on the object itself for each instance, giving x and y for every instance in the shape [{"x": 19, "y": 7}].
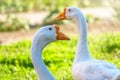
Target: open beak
[
  {"x": 62, "y": 16},
  {"x": 60, "y": 35}
]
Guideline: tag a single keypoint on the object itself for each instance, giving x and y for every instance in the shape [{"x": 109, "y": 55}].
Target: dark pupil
[
  {"x": 69, "y": 10},
  {"x": 50, "y": 28}
]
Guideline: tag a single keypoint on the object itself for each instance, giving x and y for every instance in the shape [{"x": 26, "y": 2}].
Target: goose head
[
  {"x": 69, "y": 13},
  {"x": 43, "y": 37},
  {"x": 49, "y": 34}
]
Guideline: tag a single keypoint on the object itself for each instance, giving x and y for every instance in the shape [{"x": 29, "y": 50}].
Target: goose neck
[
  {"x": 82, "y": 28},
  {"x": 82, "y": 52},
  {"x": 38, "y": 63}
]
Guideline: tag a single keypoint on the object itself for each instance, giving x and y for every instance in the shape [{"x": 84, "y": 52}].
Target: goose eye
[
  {"x": 69, "y": 10},
  {"x": 50, "y": 29}
]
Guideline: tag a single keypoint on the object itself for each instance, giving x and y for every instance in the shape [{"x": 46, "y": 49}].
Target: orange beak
[
  {"x": 60, "y": 35},
  {"x": 62, "y": 16}
]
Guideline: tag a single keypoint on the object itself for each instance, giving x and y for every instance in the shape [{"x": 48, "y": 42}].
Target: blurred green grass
[
  {"x": 15, "y": 62},
  {"x": 53, "y": 7},
  {"x": 46, "y": 5}
]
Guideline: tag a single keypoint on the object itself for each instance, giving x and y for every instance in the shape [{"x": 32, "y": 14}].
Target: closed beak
[
  {"x": 60, "y": 35},
  {"x": 62, "y": 16}
]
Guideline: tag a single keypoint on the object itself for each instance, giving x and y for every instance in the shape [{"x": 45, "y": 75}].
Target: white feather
[{"x": 84, "y": 66}]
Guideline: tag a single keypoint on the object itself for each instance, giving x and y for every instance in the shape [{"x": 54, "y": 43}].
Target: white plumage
[
  {"x": 84, "y": 66},
  {"x": 43, "y": 37}
]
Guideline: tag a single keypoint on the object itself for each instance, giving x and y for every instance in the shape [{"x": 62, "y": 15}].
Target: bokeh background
[{"x": 20, "y": 19}]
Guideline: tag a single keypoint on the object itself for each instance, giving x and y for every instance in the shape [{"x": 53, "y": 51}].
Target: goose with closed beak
[
  {"x": 42, "y": 38},
  {"x": 84, "y": 66}
]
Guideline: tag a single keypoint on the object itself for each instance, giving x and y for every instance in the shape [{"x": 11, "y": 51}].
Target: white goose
[
  {"x": 43, "y": 37},
  {"x": 84, "y": 66}
]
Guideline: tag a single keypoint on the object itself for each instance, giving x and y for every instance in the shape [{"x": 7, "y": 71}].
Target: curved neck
[
  {"x": 82, "y": 53},
  {"x": 38, "y": 63}
]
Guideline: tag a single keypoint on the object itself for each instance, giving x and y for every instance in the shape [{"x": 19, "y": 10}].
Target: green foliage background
[
  {"x": 11, "y": 7},
  {"x": 15, "y": 62},
  {"x": 48, "y": 5}
]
